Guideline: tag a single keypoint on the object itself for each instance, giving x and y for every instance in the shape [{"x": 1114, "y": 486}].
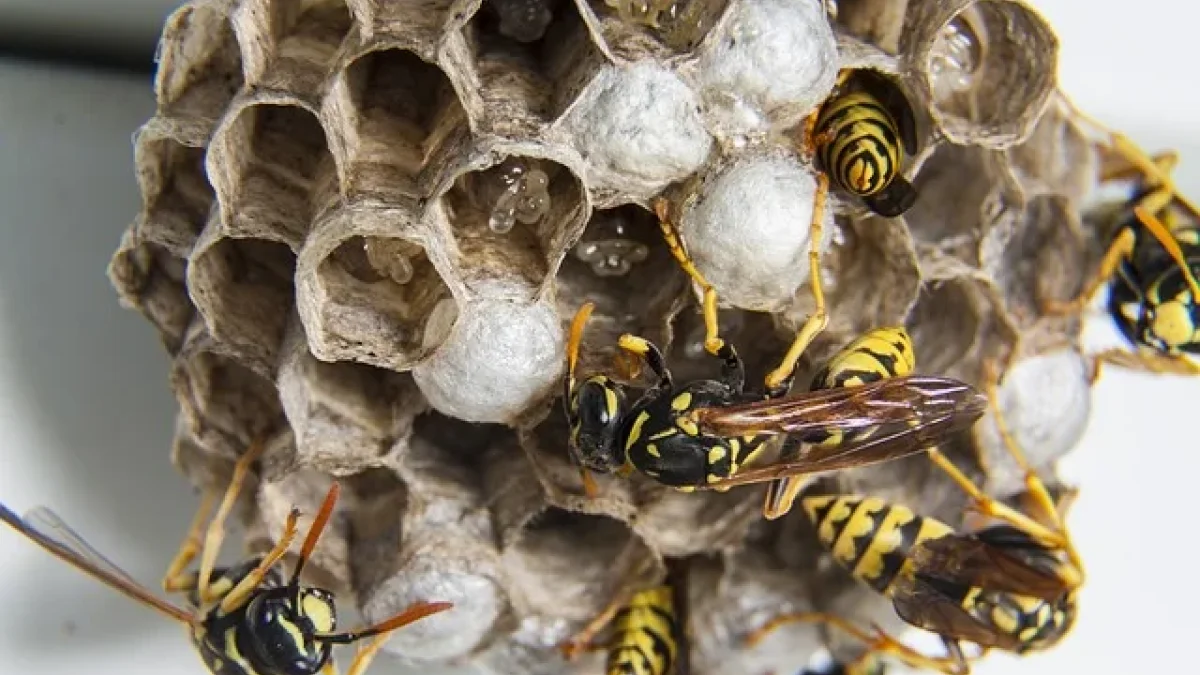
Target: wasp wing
[
  {"x": 50, "y": 532},
  {"x": 923, "y": 605},
  {"x": 1002, "y": 559},
  {"x": 912, "y": 399}
]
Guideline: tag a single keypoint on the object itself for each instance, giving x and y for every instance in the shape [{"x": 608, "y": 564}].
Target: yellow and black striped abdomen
[
  {"x": 644, "y": 635},
  {"x": 878, "y": 354},
  {"x": 869, "y": 537},
  {"x": 860, "y": 146}
]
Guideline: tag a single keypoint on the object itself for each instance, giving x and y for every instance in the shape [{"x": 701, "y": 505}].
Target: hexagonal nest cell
[{"x": 366, "y": 227}]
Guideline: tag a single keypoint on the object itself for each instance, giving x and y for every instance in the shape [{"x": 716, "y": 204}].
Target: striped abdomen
[
  {"x": 860, "y": 145},
  {"x": 644, "y": 635},
  {"x": 869, "y": 537}
]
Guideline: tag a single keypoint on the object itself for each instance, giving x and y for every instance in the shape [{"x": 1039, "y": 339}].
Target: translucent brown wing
[
  {"x": 1001, "y": 559},
  {"x": 913, "y": 399},
  {"x": 902, "y": 428},
  {"x": 922, "y": 605},
  {"x": 47, "y": 530}
]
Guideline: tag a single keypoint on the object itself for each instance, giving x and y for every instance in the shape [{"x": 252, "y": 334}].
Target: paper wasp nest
[{"x": 366, "y": 225}]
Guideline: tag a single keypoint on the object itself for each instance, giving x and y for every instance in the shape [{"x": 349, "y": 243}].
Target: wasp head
[
  {"x": 595, "y": 411},
  {"x": 285, "y": 632}
]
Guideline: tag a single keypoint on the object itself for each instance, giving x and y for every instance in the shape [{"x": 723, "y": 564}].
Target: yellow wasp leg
[
  {"x": 1148, "y": 362},
  {"x": 819, "y": 319},
  {"x": 879, "y": 643},
  {"x": 1122, "y": 247},
  {"x": 1033, "y": 484},
  {"x": 215, "y": 534},
  {"x": 238, "y": 595},
  {"x": 712, "y": 339},
  {"x": 583, "y": 640},
  {"x": 366, "y": 654},
  {"x": 176, "y": 578}
]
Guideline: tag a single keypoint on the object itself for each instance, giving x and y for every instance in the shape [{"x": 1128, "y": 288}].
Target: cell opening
[
  {"x": 943, "y": 324},
  {"x": 282, "y": 172},
  {"x": 244, "y": 288},
  {"x": 151, "y": 278},
  {"x": 953, "y": 225},
  {"x": 380, "y": 290},
  {"x": 310, "y": 31},
  {"x": 570, "y": 565},
  {"x": 406, "y": 110},
  {"x": 512, "y": 216},
  {"x": 680, "y": 25},
  {"x": 201, "y": 40},
  {"x": 623, "y": 265},
  {"x": 450, "y": 452},
  {"x": 218, "y": 394},
  {"x": 177, "y": 195},
  {"x": 539, "y": 71}
]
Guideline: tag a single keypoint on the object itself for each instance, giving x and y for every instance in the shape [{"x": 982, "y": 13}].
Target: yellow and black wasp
[
  {"x": 245, "y": 619},
  {"x": 648, "y": 634},
  {"x": 860, "y": 135},
  {"x": 700, "y": 434},
  {"x": 1154, "y": 297},
  {"x": 1011, "y": 584}
]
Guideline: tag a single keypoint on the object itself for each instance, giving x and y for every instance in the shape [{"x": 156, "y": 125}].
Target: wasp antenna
[
  {"x": 413, "y": 613},
  {"x": 310, "y": 540},
  {"x": 1164, "y": 237},
  {"x": 576, "y": 337}
]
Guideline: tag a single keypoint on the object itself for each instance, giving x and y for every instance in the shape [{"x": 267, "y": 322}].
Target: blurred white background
[{"x": 85, "y": 411}]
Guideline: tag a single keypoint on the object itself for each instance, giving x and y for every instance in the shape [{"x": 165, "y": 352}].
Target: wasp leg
[
  {"x": 215, "y": 534},
  {"x": 240, "y": 594},
  {"x": 1149, "y": 362},
  {"x": 584, "y": 640},
  {"x": 1121, "y": 248},
  {"x": 649, "y": 353},
  {"x": 177, "y": 579},
  {"x": 879, "y": 643},
  {"x": 712, "y": 338},
  {"x": 779, "y": 380}
]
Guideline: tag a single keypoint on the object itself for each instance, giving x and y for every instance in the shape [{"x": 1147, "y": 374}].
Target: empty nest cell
[
  {"x": 225, "y": 404},
  {"x": 244, "y": 289},
  {"x": 512, "y": 218},
  {"x": 570, "y": 565},
  {"x": 989, "y": 67},
  {"x": 959, "y": 323},
  {"x": 396, "y": 111},
  {"x": 524, "y": 85},
  {"x": 345, "y": 416},
  {"x": 273, "y": 171},
  {"x": 305, "y": 489},
  {"x": 150, "y": 279},
  {"x": 176, "y": 195},
  {"x": 623, "y": 266},
  {"x": 199, "y": 68},
  {"x": 290, "y": 45}
]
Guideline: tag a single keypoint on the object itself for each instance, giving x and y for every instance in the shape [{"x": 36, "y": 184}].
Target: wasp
[
  {"x": 700, "y": 434},
  {"x": 245, "y": 619},
  {"x": 1153, "y": 294},
  {"x": 860, "y": 136},
  {"x": 1011, "y": 584},
  {"x": 648, "y": 629}
]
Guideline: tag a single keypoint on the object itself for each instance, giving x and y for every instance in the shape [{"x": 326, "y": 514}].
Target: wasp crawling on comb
[
  {"x": 700, "y": 434},
  {"x": 1011, "y": 584},
  {"x": 244, "y": 619},
  {"x": 649, "y": 635},
  {"x": 860, "y": 136},
  {"x": 1154, "y": 297}
]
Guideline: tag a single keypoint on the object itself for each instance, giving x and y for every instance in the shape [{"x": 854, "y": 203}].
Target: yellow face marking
[
  {"x": 687, "y": 426},
  {"x": 716, "y": 454},
  {"x": 682, "y": 402},
  {"x": 1173, "y": 323},
  {"x": 293, "y": 633},
  {"x": 652, "y": 450},
  {"x": 610, "y": 402},
  {"x": 635, "y": 431},
  {"x": 319, "y": 612}
]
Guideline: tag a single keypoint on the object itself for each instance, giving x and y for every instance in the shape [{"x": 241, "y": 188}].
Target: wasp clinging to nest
[
  {"x": 1011, "y": 584},
  {"x": 1154, "y": 297},
  {"x": 700, "y": 434},
  {"x": 860, "y": 136},
  {"x": 244, "y": 619}
]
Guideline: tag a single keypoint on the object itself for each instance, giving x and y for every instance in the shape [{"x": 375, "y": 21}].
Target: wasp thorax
[
  {"x": 596, "y": 409},
  {"x": 284, "y": 632}
]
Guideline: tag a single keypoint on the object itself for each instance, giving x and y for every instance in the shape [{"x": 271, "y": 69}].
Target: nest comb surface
[{"x": 365, "y": 226}]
